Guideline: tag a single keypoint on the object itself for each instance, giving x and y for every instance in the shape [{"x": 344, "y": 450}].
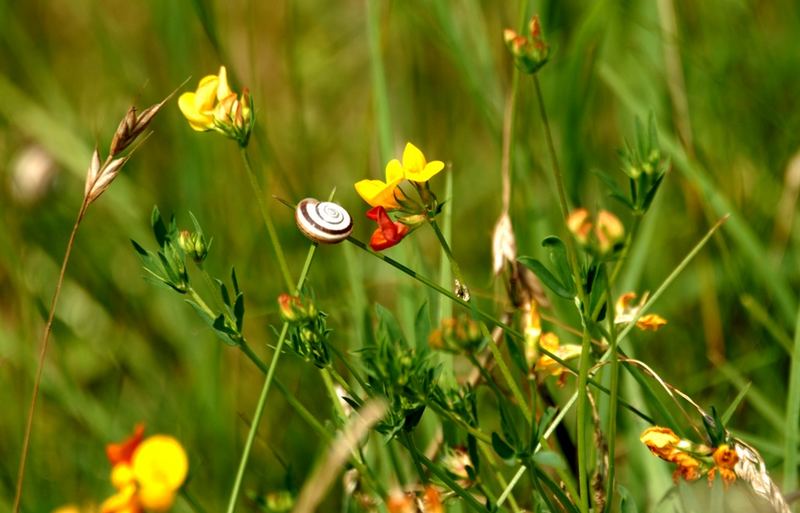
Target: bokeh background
[{"x": 721, "y": 77}]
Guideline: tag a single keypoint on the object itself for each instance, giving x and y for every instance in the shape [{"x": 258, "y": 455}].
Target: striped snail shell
[{"x": 324, "y": 222}]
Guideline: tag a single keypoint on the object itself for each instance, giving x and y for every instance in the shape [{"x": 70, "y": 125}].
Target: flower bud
[
  {"x": 608, "y": 230},
  {"x": 530, "y": 52},
  {"x": 290, "y": 307},
  {"x": 194, "y": 245},
  {"x": 456, "y": 335},
  {"x": 579, "y": 225}
]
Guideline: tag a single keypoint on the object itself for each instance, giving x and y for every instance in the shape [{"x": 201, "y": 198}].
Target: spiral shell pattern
[{"x": 324, "y": 222}]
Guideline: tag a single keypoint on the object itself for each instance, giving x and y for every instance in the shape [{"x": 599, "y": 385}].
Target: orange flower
[
  {"x": 579, "y": 224},
  {"x": 651, "y": 322},
  {"x": 660, "y": 440},
  {"x": 388, "y": 233},
  {"x": 725, "y": 459},
  {"x": 626, "y": 311},
  {"x": 432, "y": 501},
  {"x": 546, "y": 364}
]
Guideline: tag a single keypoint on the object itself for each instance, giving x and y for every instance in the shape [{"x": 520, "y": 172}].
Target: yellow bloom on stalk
[
  {"x": 415, "y": 167},
  {"x": 149, "y": 477},
  {"x": 626, "y": 311},
  {"x": 549, "y": 342},
  {"x": 214, "y": 106},
  {"x": 383, "y": 194}
]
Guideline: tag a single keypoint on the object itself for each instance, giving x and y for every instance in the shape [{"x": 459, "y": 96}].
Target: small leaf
[
  {"x": 501, "y": 447},
  {"x": 387, "y": 325},
  {"x": 223, "y": 292},
  {"x": 159, "y": 229},
  {"x": 474, "y": 456},
  {"x": 558, "y": 257},
  {"x": 238, "y": 311},
  {"x": 651, "y": 194},
  {"x": 202, "y": 313},
  {"x": 545, "y": 276},
  {"x": 234, "y": 281},
  {"x": 422, "y": 326},
  {"x": 626, "y": 503},
  {"x": 139, "y": 249}
]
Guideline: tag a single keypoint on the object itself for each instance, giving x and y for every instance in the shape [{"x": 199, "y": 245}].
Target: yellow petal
[
  {"x": 206, "y": 93},
  {"x": 197, "y": 119},
  {"x": 122, "y": 476},
  {"x": 156, "y": 497},
  {"x": 124, "y": 501},
  {"x": 413, "y": 159},
  {"x": 160, "y": 460},
  {"x": 428, "y": 172},
  {"x": 223, "y": 89},
  {"x": 394, "y": 171},
  {"x": 379, "y": 194}
]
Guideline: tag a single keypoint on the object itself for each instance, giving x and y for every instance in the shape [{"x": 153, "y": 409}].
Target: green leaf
[
  {"x": 159, "y": 228},
  {"x": 223, "y": 292},
  {"x": 238, "y": 311},
  {"x": 388, "y": 325},
  {"x": 651, "y": 193},
  {"x": 501, "y": 447},
  {"x": 422, "y": 326},
  {"x": 549, "y": 280},
  {"x": 626, "y": 502},
  {"x": 517, "y": 354},
  {"x": 202, "y": 313},
  {"x": 557, "y": 252},
  {"x": 234, "y": 281}
]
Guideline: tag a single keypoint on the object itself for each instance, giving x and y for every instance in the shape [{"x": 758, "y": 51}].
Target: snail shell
[{"x": 324, "y": 222}]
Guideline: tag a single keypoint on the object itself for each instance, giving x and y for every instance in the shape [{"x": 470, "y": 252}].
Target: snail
[{"x": 324, "y": 222}]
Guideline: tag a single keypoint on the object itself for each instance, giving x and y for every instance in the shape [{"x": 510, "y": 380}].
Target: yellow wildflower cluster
[{"x": 626, "y": 311}]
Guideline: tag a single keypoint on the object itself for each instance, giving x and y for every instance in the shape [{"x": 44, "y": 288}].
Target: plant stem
[
  {"x": 26, "y": 440},
  {"x": 453, "y": 263},
  {"x": 408, "y": 441},
  {"x": 506, "y": 372},
  {"x": 611, "y": 431},
  {"x": 273, "y": 235},
  {"x": 583, "y": 373},
  {"x": 265, "y": 390}
]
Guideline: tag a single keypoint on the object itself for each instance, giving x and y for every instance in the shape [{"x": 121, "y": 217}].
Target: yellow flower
[
  {"x": 415, "y": 167},
  {"x": 214, "y": 106},
  {"x": 383, "y": 194},
  {"x": 660, "y": 440},
  {"x": 549, "y": 342},
  {"x": 150, "y": 479},
  {"x": 725, "y": 459},
  {"x": 626, "y": 311}
]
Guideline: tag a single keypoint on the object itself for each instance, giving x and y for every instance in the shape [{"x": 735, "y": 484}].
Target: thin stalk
[
  {"x": 273, "y": 234},
  {"x": 507, "y": 492},
  {"x": 583, "y": 373},
  {"x": 26, "y": 440},
  {"x": 488, "y": 455},
  {"x": 792, "y": 415},
  {"x": 506, "y": 372},
  {"x": 408, "y": 441},
  {"x": 449, "y": 253},
  {"x": 396, "y": 465},
  {"x": 262, "y": 400},
  {"x": 611, "y": 431}
]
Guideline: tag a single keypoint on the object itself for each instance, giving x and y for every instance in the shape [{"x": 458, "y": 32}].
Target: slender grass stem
[
  {"x": 26, "y": 440},
  {"x": 792, "y": 415},
  {"x": 511, "y": 484},
  {"x": 453, "y": 263},
  {"x": 408, "y": 441},
  {"x": 583, "y": 373},
  {"x": 506, "y": 372},
  {"x": 273, "y": 234},
  {"x": 262, "y": 400},
  {"x": 611, "y": 430}
]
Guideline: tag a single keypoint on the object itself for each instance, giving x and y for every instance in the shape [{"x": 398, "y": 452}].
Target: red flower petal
[{"x": 122, "y": 452}]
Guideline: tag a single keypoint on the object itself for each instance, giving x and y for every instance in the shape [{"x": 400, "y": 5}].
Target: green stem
[
  {"x": 506, "y": 372},
  {"x": 408, "y": 441},
  {"x": 262, "y": 400},
  {"x": 273, "y": 234},
  {"x": 453, "y": 263},
  {"x": 507, "y": 492},
  {"x": 583, "y": 374},
  {"x": 611, "y": 431}
]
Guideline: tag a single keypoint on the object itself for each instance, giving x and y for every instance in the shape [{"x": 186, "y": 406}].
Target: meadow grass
[{"x": 338, "y": 89}]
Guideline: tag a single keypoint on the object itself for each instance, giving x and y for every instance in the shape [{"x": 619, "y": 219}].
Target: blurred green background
[{"x": 721, "y": 77}]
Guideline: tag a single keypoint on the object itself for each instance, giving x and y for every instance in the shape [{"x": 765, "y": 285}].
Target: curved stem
[
  {"x": 26, "y": 440},
  {"x": 262, "y": 400},
  {"x": 273, "y": 235}
]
